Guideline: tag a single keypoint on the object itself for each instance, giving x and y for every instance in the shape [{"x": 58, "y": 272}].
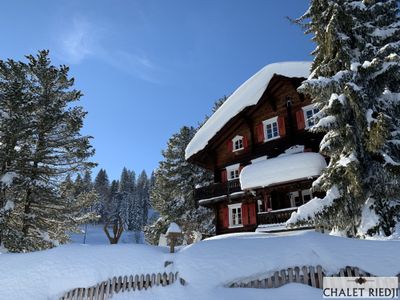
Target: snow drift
[{"x": 282, "y": 169}]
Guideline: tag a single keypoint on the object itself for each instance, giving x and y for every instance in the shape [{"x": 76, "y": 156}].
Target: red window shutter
[
  {"x": 245, "y": 142},
  {"x": 229, "y": 145},
  {"x": 252, "y": 213},
  {"x": 240, "y": 168},
  {"x": 260, "y": 132},
  {"x": 281, "y": 125},
  {"x": 224, "y": 216},
  {"x": 223, "y": 176},
  {"x": 300, "y": 120},
  {"x": 245, "y": 214}
]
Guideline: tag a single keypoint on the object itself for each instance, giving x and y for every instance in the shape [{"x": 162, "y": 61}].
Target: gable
[{"x": 247, "y": 95}]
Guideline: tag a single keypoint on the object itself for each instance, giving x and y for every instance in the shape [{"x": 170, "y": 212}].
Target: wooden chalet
[{"x": 263, "y": 157}]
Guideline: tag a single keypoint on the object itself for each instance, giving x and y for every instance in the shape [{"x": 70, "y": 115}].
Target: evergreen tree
[
  {"x": 142, "y": 187},
  {"x": 128, "y": 193},
  {"x": 102, "y": 186},
  {"x": 355, "y": 83},
  {"x": 15, "y": 126},
  {"x": 41, "y": 141},
  {"x": 79, "y": 185},
  {"x": 115, "y": 212},
  {"x": 172, "y": 194},
  {"x": 87, "y": 181}
]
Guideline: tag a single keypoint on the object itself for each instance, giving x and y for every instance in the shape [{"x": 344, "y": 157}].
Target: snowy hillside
[{"x": 206, "y": 266}]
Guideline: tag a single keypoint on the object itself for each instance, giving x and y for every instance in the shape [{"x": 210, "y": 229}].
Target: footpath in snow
[{"x": 206, "y": 266}]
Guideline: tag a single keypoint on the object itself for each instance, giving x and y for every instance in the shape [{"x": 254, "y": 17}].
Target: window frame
[
  {"x": 271, "y": 121},
  {"x": 306, "y": 192},
  {"x": 232, "y": 168},
  {"x": 296, "y": 194},
  {"x": 235, "y": 140},
  {"x": 235, "y": 206},
  {"x": 311, "y": 108}
]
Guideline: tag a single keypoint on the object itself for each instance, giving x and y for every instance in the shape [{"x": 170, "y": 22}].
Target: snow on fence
[
  {"x": 308, "y": 275},
  {"x": 106, "y": 289}
]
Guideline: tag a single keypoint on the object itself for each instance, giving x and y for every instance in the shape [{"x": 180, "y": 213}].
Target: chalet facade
[{"x": 263, "y": 157}]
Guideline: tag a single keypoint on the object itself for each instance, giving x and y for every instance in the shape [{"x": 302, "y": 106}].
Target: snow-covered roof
[
  {"x": 282, "y": 169},
  {"x": 248, "y": 94},
  {"x": 173, "y": 228}
]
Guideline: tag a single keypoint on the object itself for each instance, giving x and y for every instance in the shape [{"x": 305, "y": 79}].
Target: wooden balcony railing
[
  {"x": 217, "y": 189},
  {"x": 275, "y": 216}
]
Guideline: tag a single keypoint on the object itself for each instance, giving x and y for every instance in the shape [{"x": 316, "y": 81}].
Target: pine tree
[
  {"x": 87, "y": 181},
  {"x": 102, "y": 186},
  {"x": 127, "y": 190},
  {"x": 355, "y": 84},
  {"x": 15, "y": 125},
  {"x": 142, "y": 187},
  {"x": 115, "y": 212},
  {"x": 172, "y": 194},
  {"x": 40, "y": 136}
]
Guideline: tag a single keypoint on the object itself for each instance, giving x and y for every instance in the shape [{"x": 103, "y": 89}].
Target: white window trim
[
  {"x": 297, "y": 194},
  {"x": 234, "y": 140},
  {"x": 230, "y": 207},
  {"x": 305, "y": 109},
  {"x": 232, "y": 168},
  {"x": 305, "y": 193},
  {"x": 270, "y": 121},
  {"x": 293, "y": 195}
]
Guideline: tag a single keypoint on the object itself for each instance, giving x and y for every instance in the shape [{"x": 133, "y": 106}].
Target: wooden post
[
  {"x": 276, "y": 279},
  {"x": 158, "y": 279},
  {"x": 296, "y": 274},
  {"x": 312, "y": 275},
  {"x": 173, "y": 234},
  {"x": 290, "y": 272},
  {"x": 320, "y": 276},
  {"x": 305, "y": 274},
  {"x": 283, "y": 275}
]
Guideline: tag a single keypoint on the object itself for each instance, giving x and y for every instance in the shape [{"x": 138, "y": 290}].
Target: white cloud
[
  {"x": 135, "y": 64},
  {"x": 79, "y": 42},
  {"x": 86, "y": 39}
]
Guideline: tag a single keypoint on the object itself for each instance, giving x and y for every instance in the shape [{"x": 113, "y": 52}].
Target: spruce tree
[
  {"x": 355, "y": 84},
  {"x": 142, "y": 187},
  {"x": 42, "y": 144},
  {"x": 15, "y": 127},
  {"x": 115, "y": 212},
  {"x": 102, "y": 187},
  {"x": 172, "y": 194},
  {"x": 127, "y": 191},
  {"x": 87, "y": 181}
]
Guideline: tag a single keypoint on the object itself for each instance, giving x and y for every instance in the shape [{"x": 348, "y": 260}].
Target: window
[
  {"x": 271, "y": 129},
  {"x": 306, "y": 195},
  {"x": 235, "y": 215},
  {"x": 233, "y": 172},
  {"x": 237, "y": 143},
  {"x": 297, "y": 200},
  {"x": 309, "y": 115},
  {"x": 260, "y": 205}
]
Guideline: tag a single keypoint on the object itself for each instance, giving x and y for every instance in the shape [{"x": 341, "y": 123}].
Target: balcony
[
  {"x": 217, "y": 189},
  {"x": 275, "y": 216}
]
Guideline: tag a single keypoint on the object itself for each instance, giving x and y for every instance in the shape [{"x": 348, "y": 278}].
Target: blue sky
[{"x": 148, "y": 67}]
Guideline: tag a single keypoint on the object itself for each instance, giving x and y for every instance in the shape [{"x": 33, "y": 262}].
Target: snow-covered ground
[
  {"x": 96, "y": 236},
  {"x": 206, "y": 266}
]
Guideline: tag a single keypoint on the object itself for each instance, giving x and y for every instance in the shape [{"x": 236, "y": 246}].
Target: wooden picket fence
[
  {"x": 106, "y": 289},
  {"x": 308, "y": 275}
]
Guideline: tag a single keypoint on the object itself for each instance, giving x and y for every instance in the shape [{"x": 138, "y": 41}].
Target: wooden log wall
[{"x": 106, "y": 289}]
